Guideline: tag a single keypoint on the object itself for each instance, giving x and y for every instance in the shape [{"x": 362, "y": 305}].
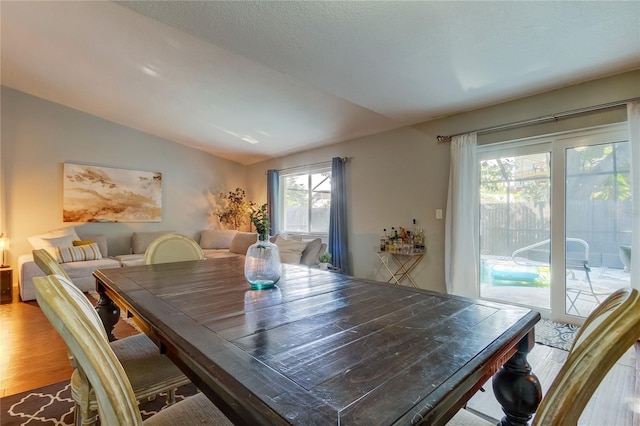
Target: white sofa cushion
[
  {"x": 130, "y": 259},
  {"x": 85, "y": 269},
  {"x": 311, "y": 252},
  {"x": 216, "y": 238},
  {"x": 59, "y": 237},
  {"x": 241, "y": 242},
  {"x": 99, "y": 239},
  {"x": 141, "y": 240},
  {"x": 290, "y": 250}
]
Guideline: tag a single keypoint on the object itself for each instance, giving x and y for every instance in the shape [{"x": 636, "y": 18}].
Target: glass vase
[{"x": 262, "y": 266}]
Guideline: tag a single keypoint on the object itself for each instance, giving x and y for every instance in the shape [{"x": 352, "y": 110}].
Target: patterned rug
[
  {"x": 52, "y": 406},
  {"x": 555, "y": 334}
]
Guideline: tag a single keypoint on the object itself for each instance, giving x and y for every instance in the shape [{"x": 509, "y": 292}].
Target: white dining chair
[
  {"x": 149, "y": 372},
  {"x": 96, "y": 360},
  {"x": 172, "y": 248}
]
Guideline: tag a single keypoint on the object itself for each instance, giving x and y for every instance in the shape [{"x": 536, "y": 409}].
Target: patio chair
[{"x": 576, "y": 260}]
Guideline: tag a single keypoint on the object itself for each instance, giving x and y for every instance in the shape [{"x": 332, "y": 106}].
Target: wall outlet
[{"x": 438, "y": 213}]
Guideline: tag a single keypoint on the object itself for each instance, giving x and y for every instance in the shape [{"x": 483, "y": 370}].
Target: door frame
[{"x": 611, "y": 133}]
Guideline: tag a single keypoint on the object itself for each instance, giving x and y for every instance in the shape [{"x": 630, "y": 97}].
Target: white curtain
[
  {"x": 633, "y": 118},
  {"x": 462, "y": 232}
]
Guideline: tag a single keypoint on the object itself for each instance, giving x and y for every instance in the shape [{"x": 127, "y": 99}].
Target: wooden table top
[{"x": 321, "y": 348}]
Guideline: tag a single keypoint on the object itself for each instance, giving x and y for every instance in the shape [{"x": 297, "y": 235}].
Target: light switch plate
[{"x": 438, "y": 213}]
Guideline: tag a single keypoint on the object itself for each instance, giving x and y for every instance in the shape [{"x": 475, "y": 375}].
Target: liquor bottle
[
  {"x": 416, "y": 237},
  {"x": 383, "y": 240}
]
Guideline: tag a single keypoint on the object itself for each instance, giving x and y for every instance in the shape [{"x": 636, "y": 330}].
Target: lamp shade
[{"x": 4, "y": 244}]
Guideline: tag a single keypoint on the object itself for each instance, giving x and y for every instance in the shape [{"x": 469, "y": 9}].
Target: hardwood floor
[
  {"x": 33, "y": 355},
  {"x": 615, "y": 402}
]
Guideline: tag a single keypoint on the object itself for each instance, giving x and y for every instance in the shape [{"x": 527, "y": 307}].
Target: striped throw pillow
[{"x": 78, "y": 253}]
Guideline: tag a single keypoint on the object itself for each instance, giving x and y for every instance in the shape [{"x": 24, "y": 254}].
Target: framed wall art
[{"x": 104, "y": 194}]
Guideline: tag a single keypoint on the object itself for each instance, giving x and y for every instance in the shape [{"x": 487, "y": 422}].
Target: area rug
[
  {"x": 555, "y": 334},
  {"x": 52, "y": 406}
]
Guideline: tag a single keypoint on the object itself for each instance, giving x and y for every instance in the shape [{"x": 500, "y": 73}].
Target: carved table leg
[
  {"x": 516, "y": 388},
  {"x": 109, "y": 313}
]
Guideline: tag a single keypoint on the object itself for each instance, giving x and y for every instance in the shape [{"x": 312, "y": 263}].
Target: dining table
[{"x": 323, "y": 348}]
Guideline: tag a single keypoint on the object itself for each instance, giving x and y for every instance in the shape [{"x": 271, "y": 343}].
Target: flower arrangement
[
  {"x": 260, "y": 219},
  {"x": 236, "y": 208}
]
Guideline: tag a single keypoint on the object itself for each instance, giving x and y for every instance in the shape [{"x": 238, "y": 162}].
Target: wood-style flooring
[{"x": 33, "y": 355}]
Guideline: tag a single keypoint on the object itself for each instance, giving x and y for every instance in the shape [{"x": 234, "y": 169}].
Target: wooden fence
[{"x": 603, "y": 224}]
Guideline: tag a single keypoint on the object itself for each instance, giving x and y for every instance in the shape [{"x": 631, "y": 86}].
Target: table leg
[
  {"x": 516, "y": 388},
  {"x": 109, "y": 313}
]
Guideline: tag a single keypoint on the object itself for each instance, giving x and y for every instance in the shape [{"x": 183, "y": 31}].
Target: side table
[
  {"x": 6, "y": 285},
  {"x": 404, "y": 264}
]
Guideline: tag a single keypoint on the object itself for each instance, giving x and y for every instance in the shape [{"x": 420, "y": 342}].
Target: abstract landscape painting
[{"x": 104, "y": 194}]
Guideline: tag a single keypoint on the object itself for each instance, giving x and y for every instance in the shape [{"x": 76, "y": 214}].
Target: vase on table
[{"x": 262, "y": 266}]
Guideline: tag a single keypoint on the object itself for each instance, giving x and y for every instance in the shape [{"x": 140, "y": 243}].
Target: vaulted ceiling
[{"x": 250, "y": 80}]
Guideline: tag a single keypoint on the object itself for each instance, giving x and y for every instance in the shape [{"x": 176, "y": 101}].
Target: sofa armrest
[{"x": 79, "y": 272}]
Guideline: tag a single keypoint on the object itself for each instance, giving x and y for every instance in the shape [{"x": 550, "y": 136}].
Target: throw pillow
[
  {"x": 78, "y": 253},
  {"x": 37, "y": 242},
  {"x": 50, "y": 244},
  {"x": 290, "y": 250},
  {"x": 241, "y": 242},
  {"x": 311, "y": 252},
  {"x": 83, "y": 242},
  {"x": 216, "y": 238},
  {"x": 99, "y": 239}
]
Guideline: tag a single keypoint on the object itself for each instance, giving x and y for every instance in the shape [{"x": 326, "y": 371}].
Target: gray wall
[
  {"x": 394, "y": 177},
  {"x": 400, "y": 175},
  {"x": 38, "y": 137}
]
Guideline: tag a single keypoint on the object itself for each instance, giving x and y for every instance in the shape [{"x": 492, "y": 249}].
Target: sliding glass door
[
  {"x": 555, "y": 218},
  {"x": 515, "y": 224},
  {"x": 593, "y": 204}
]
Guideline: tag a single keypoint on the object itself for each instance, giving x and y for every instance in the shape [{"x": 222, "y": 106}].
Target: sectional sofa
[{"x": 80, "y": 253}]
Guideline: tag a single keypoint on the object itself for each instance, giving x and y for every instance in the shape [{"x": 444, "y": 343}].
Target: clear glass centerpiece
[{"x": 262, "y": 266}]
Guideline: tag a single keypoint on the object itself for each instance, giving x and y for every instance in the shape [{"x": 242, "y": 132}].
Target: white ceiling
[{"x": 252, "y": 80}]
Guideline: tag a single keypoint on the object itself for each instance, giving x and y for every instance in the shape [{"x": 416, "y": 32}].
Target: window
[{"x": 305, "y": 201}]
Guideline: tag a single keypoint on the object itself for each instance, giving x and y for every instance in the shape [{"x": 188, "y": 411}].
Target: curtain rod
[
  {"x": 543, "y": 119},
  {"x": 321, "y": 163}
]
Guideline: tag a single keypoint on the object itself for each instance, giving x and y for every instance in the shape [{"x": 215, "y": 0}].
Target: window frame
[{"x": 308, "y": 171}]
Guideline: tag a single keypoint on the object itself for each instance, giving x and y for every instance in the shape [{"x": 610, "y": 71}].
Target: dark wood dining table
[{"x": 323, "y": 348}]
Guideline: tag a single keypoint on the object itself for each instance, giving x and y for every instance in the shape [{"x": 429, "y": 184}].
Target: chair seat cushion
[
  {"x": 149, "y": 372},
  {"x": 195, "y": 410}
]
